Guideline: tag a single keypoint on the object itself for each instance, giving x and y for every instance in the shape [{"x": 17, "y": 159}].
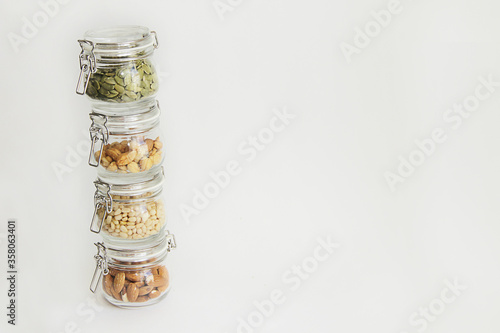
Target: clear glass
[
  {"x": 136, "y": 278},
  {"x": 125, "y": 69},
  {"x": 125, "y": 82},
  {"x": 134, "y": 218},
  {"x": 136, "y": 156},
  {"x": 137, "y": 215},
  {"x": 134, "y": 149}
]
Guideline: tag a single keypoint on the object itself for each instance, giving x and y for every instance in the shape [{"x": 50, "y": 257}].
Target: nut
[
  {"x": 113, "y": 153},
  {"x": 145, "y": 290},
  {"x": 132, "y": 292},
  {"x": 154, "y": 294},
  {"x": 159, "y": 281},
  {"x": 135, "y": 220},
  {"x": 157, "y": 158},
  {"x": 112, "y": 167},
  {"x": 119, "y": 282},
  {"x": 146, "y": 164},
  {"x": 108, "y": 283},
  {"x": 134, "y": 276},
  {"x": 128, "y": 286},
  {"x": 162, "y": 271},
  {"x": 133, "y": 156},
  {"x": 133, "y": 167},
  {"x": 158, "y": 145}
]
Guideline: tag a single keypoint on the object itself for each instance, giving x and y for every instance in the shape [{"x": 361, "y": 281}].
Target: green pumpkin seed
[
  {"x": 120, "y": 89},
  {"x": 119, "y": 80},
  {"x": 127, "y": 83},
  {"x": 110, "y": 80},
  {"x": 130, "y": 94},
  {"x": 146, "y": 69},
  {"x": 107, "y": 86}
]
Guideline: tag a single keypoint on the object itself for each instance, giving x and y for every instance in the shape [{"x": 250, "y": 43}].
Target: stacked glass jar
[{"x": 118, "y": 75}]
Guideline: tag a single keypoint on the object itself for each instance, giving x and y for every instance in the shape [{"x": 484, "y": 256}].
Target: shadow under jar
[
  {"x": 133, "y": 278},
  {"x": 126, "y": 147},
  {"x": 116, "y": 65},
  {"x": 131, "y": 214}
]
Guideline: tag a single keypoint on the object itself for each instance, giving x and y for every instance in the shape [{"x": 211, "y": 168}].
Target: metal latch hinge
[
  {"x": 101, "y": 267},
  {"x": 103, "y": 205},
  {"x": 87, "y": 65},
  {"x": 171, "y": 244},
  {"x": 98, "y": 132}
]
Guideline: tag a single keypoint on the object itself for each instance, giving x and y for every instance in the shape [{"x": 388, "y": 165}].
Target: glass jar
[
  {"x": 133, "y": 278},
  {"x": 129, "y": 214},
  {"x": 116, "y": 65},
  {"x": 127, "y": 144}
]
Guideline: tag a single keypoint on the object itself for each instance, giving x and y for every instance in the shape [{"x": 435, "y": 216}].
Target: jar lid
[
  {"x": 147, "y": 254},
  {"x": 125, "y": 120},
  {"x": 125, "y": 258},
  {"x": 153, "y": 185},
  {"x": 121, "y": 43}
]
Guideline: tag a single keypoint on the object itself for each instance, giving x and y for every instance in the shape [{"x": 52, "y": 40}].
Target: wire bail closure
[
  {"x": 101, "y": 267},
  {"x": 87, "y": 65},
  {"x": 103, "y": 203}
]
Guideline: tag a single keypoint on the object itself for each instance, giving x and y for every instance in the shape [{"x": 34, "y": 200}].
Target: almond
[
  {"x": 116, "y": 295},
  {"x": 162, "y": 271},
  {"x": 154, "y": 293},
  {"x": 132, "y": 292},
  {"x": 134, "y": 276},
  {"x": 159, "y": 281},
  {"x": 145, "y": 290},
  {"x": 108, "y": 283},
  {"x": 119, "y": 282},
  {"x": 150, "y": 143},
  {"x": 162, "y": 288}
]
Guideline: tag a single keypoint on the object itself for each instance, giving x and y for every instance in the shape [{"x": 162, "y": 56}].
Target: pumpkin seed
[{"x": 125, "y": 83}]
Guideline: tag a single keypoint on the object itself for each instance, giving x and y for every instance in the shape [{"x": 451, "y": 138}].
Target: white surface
[{"x": 322, "y": 175}]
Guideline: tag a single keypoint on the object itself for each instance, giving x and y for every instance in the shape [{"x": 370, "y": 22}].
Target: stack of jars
[{"x": 118, "y": 75}]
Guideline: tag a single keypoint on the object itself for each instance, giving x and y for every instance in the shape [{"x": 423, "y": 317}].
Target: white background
[{"x": 322, "y": 176}]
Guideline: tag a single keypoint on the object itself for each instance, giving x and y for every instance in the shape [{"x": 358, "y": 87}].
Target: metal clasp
[
  {"x": 87, "y": 65},
  {"x": 103, "y": 205},
  {"x": 101, "y": 267},
  {"x": 98, "y": 132},
  {"x": 171, "y": 244},
  {"x": 155, "y": 43}
]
